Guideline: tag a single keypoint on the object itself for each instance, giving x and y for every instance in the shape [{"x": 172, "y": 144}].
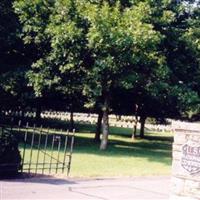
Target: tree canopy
[{"x": 93, "y": 53}]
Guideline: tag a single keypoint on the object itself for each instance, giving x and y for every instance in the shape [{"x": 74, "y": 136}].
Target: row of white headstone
[{"x": 114, "y": 120}]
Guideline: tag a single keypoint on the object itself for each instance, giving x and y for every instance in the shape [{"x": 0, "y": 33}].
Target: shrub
[{"x": 10, "y": 159}]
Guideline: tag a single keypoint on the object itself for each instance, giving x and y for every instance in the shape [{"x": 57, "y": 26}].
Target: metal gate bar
[{"x": 43, "y": 151}]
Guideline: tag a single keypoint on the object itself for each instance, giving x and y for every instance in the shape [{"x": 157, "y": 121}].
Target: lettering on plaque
[{"x": 190, "y": 159}]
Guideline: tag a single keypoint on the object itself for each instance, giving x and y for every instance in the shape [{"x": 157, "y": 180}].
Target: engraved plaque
[{"x": 190, "y": 159}]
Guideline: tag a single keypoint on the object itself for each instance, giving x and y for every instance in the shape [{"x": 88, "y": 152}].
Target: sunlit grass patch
[{"x": 124, "y": 156}]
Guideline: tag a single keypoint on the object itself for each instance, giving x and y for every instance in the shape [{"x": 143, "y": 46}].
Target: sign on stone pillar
[
  {"x": 186, "y": 162},
  {"x": 190, "y": 159}
]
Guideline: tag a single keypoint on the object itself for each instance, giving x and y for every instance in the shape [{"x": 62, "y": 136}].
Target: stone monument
[{"x": 185, "y": 182}]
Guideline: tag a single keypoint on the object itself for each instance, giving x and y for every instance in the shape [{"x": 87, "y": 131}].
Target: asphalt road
[{"x": 69, "y": 188}]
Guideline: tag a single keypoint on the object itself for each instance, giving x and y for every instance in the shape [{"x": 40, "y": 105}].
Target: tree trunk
[
  {"x": 142, "y": 121},
  {"x": 98, "y": 128},
  {"x": 71, "y": 125},
  {"x": 119, "y": 117},
  {"x": 135, "y": 122},
  {"x": 38, "y": 113},
  {"x": 1, "y": 114},
  {"x": 105, "y": 125},
  {"x": 135, "y": 128},
  {"x": 23, "y": 113}
]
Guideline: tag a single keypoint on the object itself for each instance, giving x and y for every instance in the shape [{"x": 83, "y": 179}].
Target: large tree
[
  {"x": 124, "y": 48},
  {"x": 94, "y": 48},
  {"x": 183, "y": 55},
  {"x": 58, "y": 32}
]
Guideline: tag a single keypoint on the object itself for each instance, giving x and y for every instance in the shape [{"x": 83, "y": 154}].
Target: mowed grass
[{"x": 123, "y": 157}]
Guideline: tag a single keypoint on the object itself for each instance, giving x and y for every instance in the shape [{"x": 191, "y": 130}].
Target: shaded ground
[
  {"x": 124, "y": 157},
  {"x": 67, "y": 188}
]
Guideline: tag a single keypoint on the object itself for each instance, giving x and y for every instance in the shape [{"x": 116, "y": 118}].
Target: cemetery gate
[{"x": 43, "y": 151}]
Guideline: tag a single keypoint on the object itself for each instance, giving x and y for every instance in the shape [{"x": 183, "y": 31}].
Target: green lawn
[{"x": 124, "y": 157}]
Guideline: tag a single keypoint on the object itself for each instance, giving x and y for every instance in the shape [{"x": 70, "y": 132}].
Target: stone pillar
[{"x": 185, "y": 182}]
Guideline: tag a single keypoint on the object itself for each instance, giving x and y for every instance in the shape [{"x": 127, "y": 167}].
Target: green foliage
[
  {"x": 123, "y": 45},
  {"x": 14, "y": 58},
  {"x": 183, "y": 56},
  {"x": 34, "y": 27},
  {"x": 119, "y": 43},
  {"x": 58, "y": 32},
  {"x": 148, "y": 49},
  {"x": 10, "y": 159},
  {"x": 192, "y": 34},
  {"x": 8, "y": 32}
]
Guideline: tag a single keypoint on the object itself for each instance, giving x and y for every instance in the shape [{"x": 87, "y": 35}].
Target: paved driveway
[{"x": 68, "y": 188}]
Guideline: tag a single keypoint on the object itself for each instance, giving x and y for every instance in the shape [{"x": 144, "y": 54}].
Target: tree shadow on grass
[
  {"x": 159, "y": 138},
  {"x": 153, "y": 150}
]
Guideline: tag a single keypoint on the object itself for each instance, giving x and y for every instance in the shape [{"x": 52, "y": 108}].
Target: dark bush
[{"x": 10, "y": 159}]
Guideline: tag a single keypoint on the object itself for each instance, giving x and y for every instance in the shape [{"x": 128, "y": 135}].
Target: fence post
[
  {"x": 45, "y": 149},
  {"x": 52, "y": 147},
  {"x": 65, "y": 150},
  {"x": 31, "y": 153},
  {"x": 24, "y": 150},
  {"x": 58, "y": 155},
  {"x": 38, "y": 149},
  {"x": 19, "y": 124},
  {"x": 70, "y": 154}
]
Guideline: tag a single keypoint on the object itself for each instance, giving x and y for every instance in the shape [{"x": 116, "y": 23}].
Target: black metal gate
[{"x": 43, "y": 151}]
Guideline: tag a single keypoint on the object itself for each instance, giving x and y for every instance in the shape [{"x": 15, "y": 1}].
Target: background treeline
[{"x": 134, "y": 57}]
